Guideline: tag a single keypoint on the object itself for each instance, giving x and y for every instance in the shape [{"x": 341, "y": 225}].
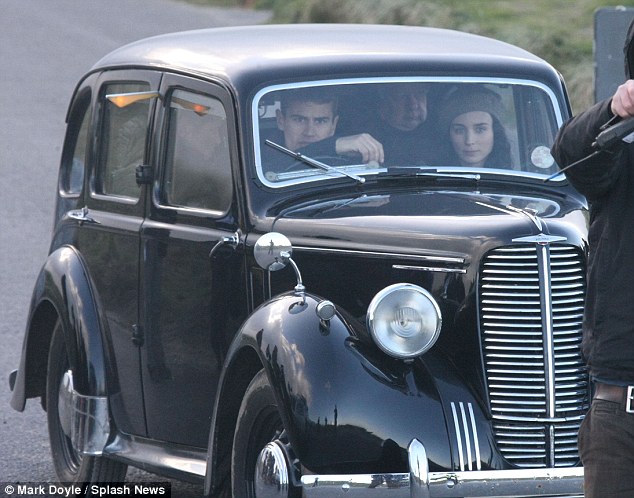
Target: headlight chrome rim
[{"x": 404, "y": 320}]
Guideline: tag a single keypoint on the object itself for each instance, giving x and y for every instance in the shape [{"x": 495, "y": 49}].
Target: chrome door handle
[
  {"x": 81, "y": 215},
  {"x": 231, "y": 240}
]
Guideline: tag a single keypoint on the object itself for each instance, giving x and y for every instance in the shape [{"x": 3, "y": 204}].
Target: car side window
[
  {"x": 73, "y": 162},
  {"x": 123, "y": 140},
  {"x": 197, "y": 167}
]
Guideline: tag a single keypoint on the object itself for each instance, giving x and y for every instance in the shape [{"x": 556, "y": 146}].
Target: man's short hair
[{"x": 316, "y": 95}]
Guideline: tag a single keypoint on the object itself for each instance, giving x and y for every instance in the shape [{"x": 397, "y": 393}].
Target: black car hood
[{"x": 429, "y": 222}]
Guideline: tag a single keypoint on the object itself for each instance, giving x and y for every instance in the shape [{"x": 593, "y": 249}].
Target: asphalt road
[{"x": 45, "y": 47}]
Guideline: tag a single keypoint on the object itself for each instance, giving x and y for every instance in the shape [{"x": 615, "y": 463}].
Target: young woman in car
[{"x": 470, "y": 122}]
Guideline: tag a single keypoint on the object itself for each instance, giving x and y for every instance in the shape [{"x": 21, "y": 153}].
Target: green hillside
[{"x": 560, "y": 32}]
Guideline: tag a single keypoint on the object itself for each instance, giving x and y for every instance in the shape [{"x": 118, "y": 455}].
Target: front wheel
[
  {"x": 70, "y": 465},
  {"x": 260, "y": 462}
]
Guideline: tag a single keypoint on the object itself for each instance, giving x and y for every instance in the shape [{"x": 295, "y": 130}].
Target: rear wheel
[
  {"x": 70, "y": 465},
  {"x": 260, "y": 461}
]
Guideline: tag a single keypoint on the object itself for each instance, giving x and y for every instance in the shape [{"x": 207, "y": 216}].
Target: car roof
[{"x": 236, "y": 52}]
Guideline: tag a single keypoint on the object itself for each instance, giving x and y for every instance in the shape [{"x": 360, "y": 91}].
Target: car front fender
[{"x": 345, "y": 405}]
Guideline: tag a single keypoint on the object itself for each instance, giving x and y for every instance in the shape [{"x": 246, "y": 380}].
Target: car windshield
[{"x": 356, "y": 129}]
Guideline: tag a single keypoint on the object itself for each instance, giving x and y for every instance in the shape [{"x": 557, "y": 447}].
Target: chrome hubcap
[
  {"x": 65, "y": 402},
  {"x": 271, "y": 472}
]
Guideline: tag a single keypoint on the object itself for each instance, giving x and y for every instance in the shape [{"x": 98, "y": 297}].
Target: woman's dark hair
[{"x": 500, "y": 156}]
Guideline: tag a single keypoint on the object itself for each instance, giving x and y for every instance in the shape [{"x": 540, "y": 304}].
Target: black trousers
[{"x": 606, "y": 446}]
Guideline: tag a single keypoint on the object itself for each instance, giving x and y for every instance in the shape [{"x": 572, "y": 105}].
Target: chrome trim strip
[
  {"x": 85, "y": 417},
  {"x": 543, "y": 263},
  {"x": 465, "y": 426},
  {"x": 376, "y": 485},
  {"x": 153, "y": 457},
  {"x": 429, "y": 268},
  {"x": 550, "y": 445},
  {"x": 91, "y": 424},
  {"x": 476, "y": 439},
  {"x": 467, "y": 438},
  {"x": 510, "y": 418},
  {"x": 458, "y": 435},
  {"x": 251, "y": 304},
  {"x": 420, "y": 483},
  {"x": 376, "y": 254}
]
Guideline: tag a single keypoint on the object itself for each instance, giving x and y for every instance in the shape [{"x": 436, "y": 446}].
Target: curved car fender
[
  {"x": 344, "y": 404},
  {"x": 63, "y": 283}
]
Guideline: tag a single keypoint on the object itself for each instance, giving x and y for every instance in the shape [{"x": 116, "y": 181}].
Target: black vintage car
[{"x": 325, "y": 260}]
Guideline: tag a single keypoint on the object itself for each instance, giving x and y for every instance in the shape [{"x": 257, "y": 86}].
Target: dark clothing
[
  {"x": 605, "y": 446},
  {"x": 606, "y": 436},
  {"x": 278, "y": 161},
  {"x": 403, "y": 148},
  {"x": 607, "y": 181}
]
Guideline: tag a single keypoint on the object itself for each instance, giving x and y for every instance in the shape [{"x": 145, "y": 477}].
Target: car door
[
  {"x": 193, "y": 296},
  {"x": 109, "y": 228}
]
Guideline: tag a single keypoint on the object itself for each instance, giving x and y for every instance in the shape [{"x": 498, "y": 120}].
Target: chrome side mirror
[{"x": 272, "y": 251}]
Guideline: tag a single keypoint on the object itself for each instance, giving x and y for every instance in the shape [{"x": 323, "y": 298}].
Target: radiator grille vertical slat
[{"x": 538, "y": 396}]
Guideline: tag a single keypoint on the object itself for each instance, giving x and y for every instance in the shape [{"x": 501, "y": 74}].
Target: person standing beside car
[{"x": 606, "y": 179}]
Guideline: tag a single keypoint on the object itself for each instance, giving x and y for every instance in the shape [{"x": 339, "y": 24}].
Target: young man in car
[
  {"x": 307, "y": 121},
  {"x": 606, "y": 437}
]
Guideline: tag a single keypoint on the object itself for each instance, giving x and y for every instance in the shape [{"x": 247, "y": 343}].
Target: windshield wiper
[
  {"x": 313, "y": 162},
  {"x": 423, "y": 171}
]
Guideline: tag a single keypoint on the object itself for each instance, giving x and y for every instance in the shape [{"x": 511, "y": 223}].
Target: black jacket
[
  {"x": 607, "y": 181},
  {"x": 277, "y": 161}
]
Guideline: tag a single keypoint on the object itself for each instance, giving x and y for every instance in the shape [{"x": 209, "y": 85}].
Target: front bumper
[{"x": 420, "y": 483}]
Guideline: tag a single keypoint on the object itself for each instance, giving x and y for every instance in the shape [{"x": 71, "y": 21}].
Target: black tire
[
  {"x": 258, "y": 423},
  {"x": 70, "y": 465}
]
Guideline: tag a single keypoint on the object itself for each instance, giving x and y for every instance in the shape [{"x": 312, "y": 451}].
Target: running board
[{"x": 175, "y": 461}]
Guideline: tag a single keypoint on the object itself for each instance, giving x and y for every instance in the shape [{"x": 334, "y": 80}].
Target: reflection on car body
[{"x": 367, "y": 286}]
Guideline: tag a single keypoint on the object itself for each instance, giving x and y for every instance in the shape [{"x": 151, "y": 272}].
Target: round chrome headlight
[{"x": 404, "y": 320}]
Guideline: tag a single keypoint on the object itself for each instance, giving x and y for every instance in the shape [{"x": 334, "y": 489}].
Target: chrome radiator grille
[{"x": 531, "y": 306}]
